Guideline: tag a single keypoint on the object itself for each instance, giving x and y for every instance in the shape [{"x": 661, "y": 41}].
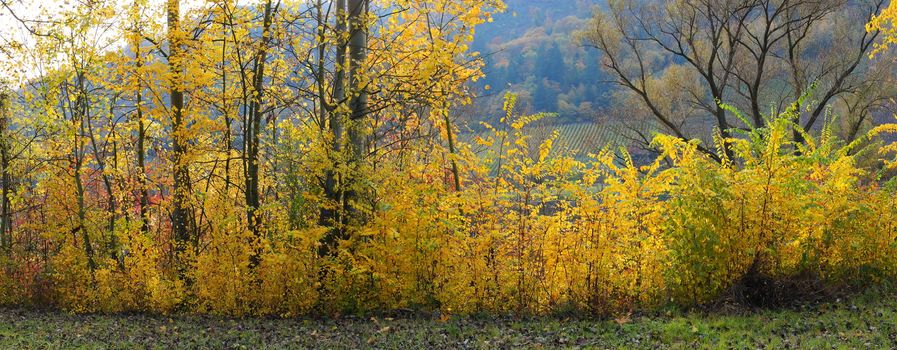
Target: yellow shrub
[
  {"x": 531, "y": 230},
  {"x": 223, "y": 282},
  {"x": 148, "y": 286},
  {"x": 288, "y": 276},
  {"x": 72, "y": 280}
]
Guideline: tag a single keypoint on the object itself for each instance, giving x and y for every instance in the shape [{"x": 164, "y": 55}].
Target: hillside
[{"x": 531, "y": 51}]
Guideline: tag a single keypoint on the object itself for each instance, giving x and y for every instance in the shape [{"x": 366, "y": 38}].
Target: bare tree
[{"x": 750, "y": 53}]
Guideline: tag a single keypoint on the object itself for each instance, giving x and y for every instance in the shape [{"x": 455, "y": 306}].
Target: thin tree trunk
[
  {"x": 451, "y": 144},
  {"x": 252, "y": 142},
  {"x": 141, "y": 165},
  {"x": 111, "y": 244},
  {"x": 79, "y": 112},
  {"x": 225, "y": 110},
  {"x": 6, "y": 179},
  {"x": 141, "y": 143},
  {"x": 82, "y": 212}
]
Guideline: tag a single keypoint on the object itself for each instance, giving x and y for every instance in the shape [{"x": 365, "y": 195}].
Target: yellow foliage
[
  {"x": 507, "y": 223},
  {"x": 886, "y": 23},
  {"x": 532, "y": 231}
]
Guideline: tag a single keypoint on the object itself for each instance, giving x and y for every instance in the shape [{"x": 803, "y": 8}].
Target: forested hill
[{"x": 530, "y": 50}]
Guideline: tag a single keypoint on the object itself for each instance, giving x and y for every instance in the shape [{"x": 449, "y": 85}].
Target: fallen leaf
[{"x": 624, "y": 319}]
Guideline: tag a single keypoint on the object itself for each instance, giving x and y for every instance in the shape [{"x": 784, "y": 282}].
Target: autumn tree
[
  {"x": 380, "y": 75},
  {"x": 74, "y": 97},
  {"x": 350, "y": 115}
]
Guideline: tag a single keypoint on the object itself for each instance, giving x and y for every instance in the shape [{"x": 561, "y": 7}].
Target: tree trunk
[
  {"x": 6, "y": 179},
  {"x": 456, "y": 175},
  {"x": 78, "y": 115},
  {"x": 180, "y": 211},
  {"x": 252, "y": 136},
  {"x": 358, "y": 42},
  {"x": 111, "y": 244},
  {"x": 330, "y": 213},
  {"x": 141, "y": 143}
]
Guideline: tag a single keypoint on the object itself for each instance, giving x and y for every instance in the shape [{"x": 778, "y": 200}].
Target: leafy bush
[{"x": 531, "y": 231}]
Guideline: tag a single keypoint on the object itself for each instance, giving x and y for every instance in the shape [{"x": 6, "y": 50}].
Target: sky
[{"x": 14, "y": 68}]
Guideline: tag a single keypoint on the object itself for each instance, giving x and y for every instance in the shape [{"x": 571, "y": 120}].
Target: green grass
[{"x": 865, "y": 321}]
